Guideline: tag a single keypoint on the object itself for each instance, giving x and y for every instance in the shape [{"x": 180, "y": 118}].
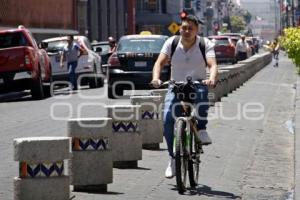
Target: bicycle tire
[
  {"x": 194, "y": 162},
  {"x": 181, "y": 159}
]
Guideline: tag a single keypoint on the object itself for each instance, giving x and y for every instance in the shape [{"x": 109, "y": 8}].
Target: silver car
[{"x": 89, "y": 63}]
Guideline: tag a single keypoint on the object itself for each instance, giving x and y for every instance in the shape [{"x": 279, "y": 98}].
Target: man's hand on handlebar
[
  {"x": 156, "y": 83},
  {"x": 209, "y": 82}
]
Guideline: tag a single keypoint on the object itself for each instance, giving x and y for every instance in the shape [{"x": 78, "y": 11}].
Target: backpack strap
[
  {"x": 201, "y": 47},
  {"x": 174, "y": 45}
]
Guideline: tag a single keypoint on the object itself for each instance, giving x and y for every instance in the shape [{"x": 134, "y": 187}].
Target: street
[{"x": 249, "y": 159}]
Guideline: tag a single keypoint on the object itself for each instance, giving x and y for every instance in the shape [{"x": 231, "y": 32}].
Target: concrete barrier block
[
  {"x": 122, "y": 112},
  {"x": 150, "y": 118},
  {"x": 91, "y": 168},
  {"x": 41, "y": 149},
  {"x": 42, "y": 188},
  {"x": 127, "y": 146},
  {"x": 91, "y": 164},
  {"x": 89, "y": 127},
  {"x": 126, "y": 137},
  {"x": 41, "y": 168}
]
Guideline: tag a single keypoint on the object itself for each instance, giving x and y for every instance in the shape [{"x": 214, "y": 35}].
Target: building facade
[
  {"x": 108, "y": 18},
  {"x": 44, "y": 18}
]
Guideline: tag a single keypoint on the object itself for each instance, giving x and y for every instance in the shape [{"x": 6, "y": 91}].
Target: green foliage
[
  {"x": 237, "y": 24},
  {"x": 224, "y": 30},
  {"x": 247, "y": 17},
  {"x": 290, "y": 41}
]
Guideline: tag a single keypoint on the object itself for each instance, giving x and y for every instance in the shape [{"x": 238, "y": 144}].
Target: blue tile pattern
[
  {"x": 125, "y": 126},
  {"x": 34, "y": 170},
  {"x": 150, "y": 114},
  {"x": 90, "y": 144}
]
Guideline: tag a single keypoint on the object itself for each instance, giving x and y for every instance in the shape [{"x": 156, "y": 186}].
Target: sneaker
[
  {"x": 170, "y": 171},
  {"x": 204, "y": 137}
]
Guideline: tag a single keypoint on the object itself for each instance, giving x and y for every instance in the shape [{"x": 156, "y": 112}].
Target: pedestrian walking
[
  {"x": 241, "y": 48},
  {"x": 71, "y": 53},
  {"x": 112, "y": 44}
]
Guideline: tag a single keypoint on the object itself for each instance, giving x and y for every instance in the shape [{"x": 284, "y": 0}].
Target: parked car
[
  {"x": 224, "y": 48},
  {"x": 133, "y": 61},
  {"x": 89, "y": 63},
  {"x": 23, "y": 64},
  {"x": 102, "y": 49}
]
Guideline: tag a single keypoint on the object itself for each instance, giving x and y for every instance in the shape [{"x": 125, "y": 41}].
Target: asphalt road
[{"x": 249, "y": 159}]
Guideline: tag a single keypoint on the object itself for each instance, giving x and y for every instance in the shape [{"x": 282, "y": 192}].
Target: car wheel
[
  {"x": 101, "y": 82},
  {"x": 47, "y": 88},
  {"x": 37, "y": 90},
  {"x": 114, "y": 94},
  {"x": 93, "y": 81}
]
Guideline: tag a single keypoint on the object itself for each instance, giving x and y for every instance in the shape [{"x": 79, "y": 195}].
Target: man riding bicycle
[{"x": 187, "y": 60}]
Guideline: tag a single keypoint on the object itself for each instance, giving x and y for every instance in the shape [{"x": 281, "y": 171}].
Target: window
[
  {"x": 14, "y": 39},
  {"x": 151, "y": 45},
  {"x": 148, "y": 5},
  {"x": 56, "y": 46}
]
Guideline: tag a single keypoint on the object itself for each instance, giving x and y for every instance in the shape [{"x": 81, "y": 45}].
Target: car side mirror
[{"x": 43, "y": 45}]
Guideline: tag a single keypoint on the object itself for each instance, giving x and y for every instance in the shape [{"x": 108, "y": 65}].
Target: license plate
[
  {"x": 140, "y": 63},
  {"x": 218, "y": 53}
]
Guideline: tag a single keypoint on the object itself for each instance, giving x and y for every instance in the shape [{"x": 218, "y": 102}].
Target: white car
[{"x": 89, "y": 63}]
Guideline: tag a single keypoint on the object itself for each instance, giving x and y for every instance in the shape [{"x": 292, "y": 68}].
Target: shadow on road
[
  {"x": 204, "y": 190},
  {"x": 207, "y": 191},
  {"x": 95, "y": 192}
]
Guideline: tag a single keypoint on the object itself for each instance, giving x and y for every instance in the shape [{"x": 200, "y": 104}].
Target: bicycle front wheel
[
  {"x": 181, "y": 158},
  {"x": 194, "y": 162}
]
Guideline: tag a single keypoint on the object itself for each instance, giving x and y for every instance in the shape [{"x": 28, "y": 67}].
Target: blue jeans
[
  {"x": 72, "y": 75},
  {"x": 172, "y": 111}
]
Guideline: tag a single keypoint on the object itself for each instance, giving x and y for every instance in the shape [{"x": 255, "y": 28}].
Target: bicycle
[{"x": 187, "y": 146}]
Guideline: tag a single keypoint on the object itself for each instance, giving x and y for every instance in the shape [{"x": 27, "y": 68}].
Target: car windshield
[
  {"x": 143, "y": 45},
  {"x": 12, "y": 39},
  {"x": 56, "y": 46},
  {"x": 221, "y": 41}
]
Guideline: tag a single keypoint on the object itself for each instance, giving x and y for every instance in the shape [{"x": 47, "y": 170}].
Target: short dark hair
[
  {"x": 192, "y": 18},
  {"x": 71, "y": 37}
]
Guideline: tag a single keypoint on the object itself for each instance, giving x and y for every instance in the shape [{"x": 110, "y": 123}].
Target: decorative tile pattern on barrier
[
  {"x": 34, "y": 170},
  {"x": 150, "y": 114},
  {"x": 125, "y": 126},
  {"x": 90, "y": 144}
]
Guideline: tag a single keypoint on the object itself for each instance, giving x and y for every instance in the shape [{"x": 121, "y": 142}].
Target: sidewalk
[{"x": 249, "y": 159}]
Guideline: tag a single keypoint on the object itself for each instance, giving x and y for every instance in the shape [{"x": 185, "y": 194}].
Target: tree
[
  {"x": 237, "y": 24},
  {"x": 247, "y": 17},
  {"x": 290, "y": 41}
]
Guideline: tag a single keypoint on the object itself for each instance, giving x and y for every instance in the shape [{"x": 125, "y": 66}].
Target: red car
[
  {"x": 224, "y": 48},
  {"x": 23, "y": 63}
]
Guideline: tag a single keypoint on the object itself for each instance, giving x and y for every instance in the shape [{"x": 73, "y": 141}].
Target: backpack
[{"x": 201, "y": 46}]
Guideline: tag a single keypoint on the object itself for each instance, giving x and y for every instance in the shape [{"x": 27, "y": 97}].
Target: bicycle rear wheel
[
  {"x": 194, "y": 162},
  {"x": 181, "y": 158}
]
